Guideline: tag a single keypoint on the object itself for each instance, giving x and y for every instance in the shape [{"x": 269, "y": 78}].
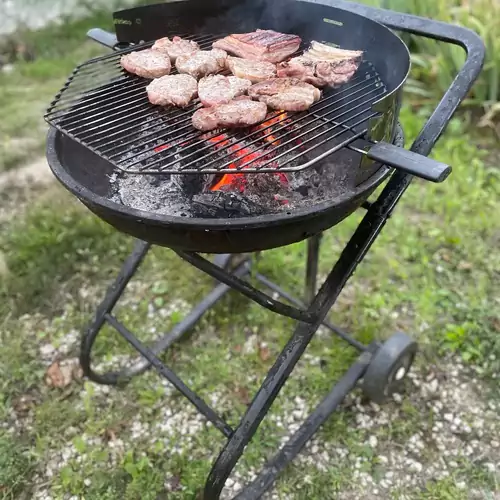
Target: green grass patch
[
  {"x": 435, "y": 64},
  {"x": 27, "y": 90},
  {"x": 16, "y": 467}
]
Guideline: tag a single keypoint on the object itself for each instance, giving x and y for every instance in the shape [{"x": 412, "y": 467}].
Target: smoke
[{"x": 239, "y": 17}]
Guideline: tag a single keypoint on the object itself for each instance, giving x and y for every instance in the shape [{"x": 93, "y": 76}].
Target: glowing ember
[
  {"x": 159, "y": 149},
  {"x": 244, "y": 156},
  {"x": 241, "y": 156},
  {"x": 273, "y": 121}
]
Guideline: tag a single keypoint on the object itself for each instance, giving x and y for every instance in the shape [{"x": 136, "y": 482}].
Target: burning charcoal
[
  {"x": 303, "y": 190},
  {"x": 191, "y": 185},
  {"x": 267, "y": 184},
  {"x": 224, "y": 205}
]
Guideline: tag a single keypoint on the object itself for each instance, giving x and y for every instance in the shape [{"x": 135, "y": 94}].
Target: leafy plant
[{"x": 435, "y": 64}]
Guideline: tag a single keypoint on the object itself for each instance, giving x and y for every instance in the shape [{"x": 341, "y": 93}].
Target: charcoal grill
[{"x": 93, "y": 127}]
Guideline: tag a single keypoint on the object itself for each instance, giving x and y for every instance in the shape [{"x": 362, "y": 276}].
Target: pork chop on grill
[
  {"x": 255, "y": 71},
  {"x": 218, "y": 89},
  {"x": 322, "y": 65},
  {"x": 238, "y": 113},
  {"x": 172, "y": 90},
  {"x": 323, "y": 52},
  {"x": 176, "y": 47},
  {"x": 302, "y": 68},
  {"x": 202, "y": 63},
  {"x": 147, "y": 63},
  {"x": 261, "y": 45},
  {"x": 287, "y": 94}
]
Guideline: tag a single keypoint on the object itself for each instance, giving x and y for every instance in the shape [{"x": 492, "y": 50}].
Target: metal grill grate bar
[
  {"x": 107, "y": 110},
  {"x": 205, "y": 147}
]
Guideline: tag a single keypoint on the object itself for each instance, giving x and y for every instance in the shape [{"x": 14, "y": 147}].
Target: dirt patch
[{"x": 18, "y": 187}]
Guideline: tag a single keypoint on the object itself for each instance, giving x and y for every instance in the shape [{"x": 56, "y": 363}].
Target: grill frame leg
[
  {"x": 357, "y": 247},
  {"x": 313, "y": 248},
  {"x": 113, "y": 294}
]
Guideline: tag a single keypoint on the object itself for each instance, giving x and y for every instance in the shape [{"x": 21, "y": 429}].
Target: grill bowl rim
[{"x": 86, "y": 195}]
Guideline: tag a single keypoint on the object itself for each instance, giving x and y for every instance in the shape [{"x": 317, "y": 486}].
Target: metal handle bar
[
  {"x": 407, "y": 161},
  {"x": 103, "y": 37}
]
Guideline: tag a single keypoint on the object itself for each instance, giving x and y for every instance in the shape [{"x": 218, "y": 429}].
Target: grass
[
  {"x": 431, "y": 273},
  {"x": 26, "y": 91}
]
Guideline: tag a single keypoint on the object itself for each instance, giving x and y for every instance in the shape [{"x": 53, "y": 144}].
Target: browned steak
[
  {"x": 218, "y": 89},
  {"x": 173, "y": 90},
  {"x": 238, "y": 113},
  {"x": 176, "y": 47},
  {"x": 202, "y": 63},
  {"x": 302, "y": 68},
  {"x": 255, "y": 71},
  {"x": 261, "y": 45},
  {"x": 323, "y": 65},
  {"x": 147, "y": 63},
  {"x": 336, "y": 72},
  {"x": 287, "y": 94}
]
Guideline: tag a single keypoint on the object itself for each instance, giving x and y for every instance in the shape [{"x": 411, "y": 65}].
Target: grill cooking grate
[{"x": 107, "y": 110}]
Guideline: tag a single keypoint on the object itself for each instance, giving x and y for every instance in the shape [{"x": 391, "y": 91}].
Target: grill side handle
[
  {"x": 408, "y": 161},
  {"x": 103, "y": 37}
]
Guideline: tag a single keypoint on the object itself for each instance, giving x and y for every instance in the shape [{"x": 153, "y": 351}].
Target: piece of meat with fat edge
[
  {"x": 147, "y": 63},
  {"x": 238, "y": 113},
  {"x": 172, "y": 90}
]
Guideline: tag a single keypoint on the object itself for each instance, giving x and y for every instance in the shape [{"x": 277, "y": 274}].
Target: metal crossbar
[{"x": 107, "y": 110}]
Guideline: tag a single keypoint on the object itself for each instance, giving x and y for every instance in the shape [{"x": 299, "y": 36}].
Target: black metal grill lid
[{"x": 107, "y": 110}]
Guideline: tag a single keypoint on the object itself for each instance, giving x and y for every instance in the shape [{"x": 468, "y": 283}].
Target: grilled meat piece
[
  {"x": 287, "y": 94},
  {"x": 336, "y": 73},
  {"x": 174, "y": 90},
  {"x": 302, "y": 68},
  {"x": 323, "y": 52},
  {"x": 238, "y": 113},
  {"x": 322, "y": 65},
  {"x": 147, "y": 63},
  {"x": 202, "y": 63},
  {"x": 176, "y": 47},
  {"x": 261, "y": 45},
  {"x": 217, "y": 89},
  {"x": 255, "y": 71}
]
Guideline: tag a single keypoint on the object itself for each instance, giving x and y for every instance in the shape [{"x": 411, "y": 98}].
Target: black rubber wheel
[{"x": 388, "y": 367}]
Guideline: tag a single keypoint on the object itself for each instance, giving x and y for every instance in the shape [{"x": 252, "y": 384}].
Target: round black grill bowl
[{"x": 86, "y": 175}]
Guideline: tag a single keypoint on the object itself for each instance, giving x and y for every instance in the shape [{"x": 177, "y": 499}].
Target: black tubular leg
[
  {"x": 245, "y": 288},
  {"x": 289, "y": 356},
  {"x": 115, "y": 291},
  {"x": 335, "y": 329},
  {"x": 166, "y": 372},
  {"x": 113, "y": 294},
  {"x": 306, "y": 431},
  {"x": 313, "y": 246}
]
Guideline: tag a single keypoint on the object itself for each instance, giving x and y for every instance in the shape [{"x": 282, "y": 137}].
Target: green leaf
[{"x": 79, "y": 444}]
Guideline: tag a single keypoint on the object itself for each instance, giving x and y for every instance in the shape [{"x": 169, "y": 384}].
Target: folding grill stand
[{"x": 380, "y": 366}]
